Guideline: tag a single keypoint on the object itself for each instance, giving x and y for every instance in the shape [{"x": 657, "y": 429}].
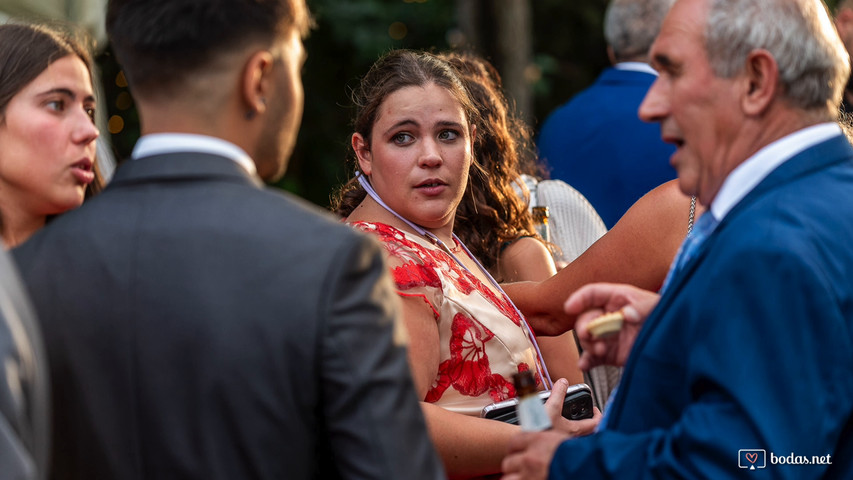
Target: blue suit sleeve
[{"x": 765, "y": 350}]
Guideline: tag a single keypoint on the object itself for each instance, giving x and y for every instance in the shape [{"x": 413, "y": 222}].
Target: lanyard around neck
[{"x": 543, "y": 371}]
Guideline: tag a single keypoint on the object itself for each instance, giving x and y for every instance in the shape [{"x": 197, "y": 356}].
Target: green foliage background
[
  {"x": 350, "y": 35},
  {"x": 568, "y": 49}
]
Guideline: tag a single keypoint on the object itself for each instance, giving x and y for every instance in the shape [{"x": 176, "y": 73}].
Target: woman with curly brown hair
[
  {"x": 493, "y": 219},
  {"x": 415, "y": 128}
]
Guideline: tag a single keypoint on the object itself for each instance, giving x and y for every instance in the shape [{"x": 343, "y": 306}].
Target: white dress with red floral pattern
[{"x": 482, "y": 340}]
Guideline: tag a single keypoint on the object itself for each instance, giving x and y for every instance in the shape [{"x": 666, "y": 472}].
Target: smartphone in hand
[{"x": 576, "y": 406}]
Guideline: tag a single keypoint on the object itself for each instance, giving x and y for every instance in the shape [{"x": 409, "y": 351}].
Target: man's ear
[
  {"x": 611, "y": 55},
  {"x": 257, "y": 83},
  {"x": 362, "y": 152},
  {"x": 762, "y": 82}
]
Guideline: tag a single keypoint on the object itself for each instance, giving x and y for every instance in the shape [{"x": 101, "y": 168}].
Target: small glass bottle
[
  {"x": 540, "y": 222},
  {"x": 532, "y": 416}
]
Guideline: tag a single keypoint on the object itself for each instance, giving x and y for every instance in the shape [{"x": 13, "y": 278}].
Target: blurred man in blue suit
[
  {"x": 596, "y": 142},
  {"x": 747, "y": 354}
]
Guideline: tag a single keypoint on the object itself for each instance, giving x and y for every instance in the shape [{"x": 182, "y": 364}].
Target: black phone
[{"x": 576, "y": 406}]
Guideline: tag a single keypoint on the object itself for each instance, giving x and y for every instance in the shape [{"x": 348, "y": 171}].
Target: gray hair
[
  {"x": 631, "y": 26},
  {"x": 799, "y": 34}
]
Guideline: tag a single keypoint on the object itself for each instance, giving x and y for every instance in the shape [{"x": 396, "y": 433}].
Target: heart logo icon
[{"x": 752, "y": 457}]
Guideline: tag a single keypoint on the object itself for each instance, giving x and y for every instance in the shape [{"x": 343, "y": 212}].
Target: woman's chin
[{"x": 67, "y": 204}]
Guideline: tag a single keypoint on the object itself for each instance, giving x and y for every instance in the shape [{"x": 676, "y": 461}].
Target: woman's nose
[
  {"x": 85, "y": 131},
  {"x": 430, "y": 155}
]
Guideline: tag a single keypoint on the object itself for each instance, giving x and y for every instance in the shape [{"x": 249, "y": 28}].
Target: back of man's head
[
  {"x": 162, "y": 44},
  {"x": 813, "y": 63},
  {"x": 630, "y": 27}
]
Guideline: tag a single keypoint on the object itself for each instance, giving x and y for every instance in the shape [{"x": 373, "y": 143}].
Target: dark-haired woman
[
  {"x": 493, "y": 220},
  {"x": 47, "y": 129},
  {"x": 414, "y": 132}
]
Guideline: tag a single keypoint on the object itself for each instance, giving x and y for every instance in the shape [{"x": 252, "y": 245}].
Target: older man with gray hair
[
  {"x": 745, "y": 360},
  {"x": 596, "y": 142}
]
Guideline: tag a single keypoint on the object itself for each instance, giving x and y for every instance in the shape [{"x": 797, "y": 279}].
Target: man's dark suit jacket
[
  {"x": 199, "y": 326},
  {"x": 24, "y": 394},
  {"x": 597, "y": 143},
  {"x": 750, "y": 346}
]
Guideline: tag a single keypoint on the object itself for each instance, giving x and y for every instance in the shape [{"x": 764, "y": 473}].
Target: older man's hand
[
  {"x": 590, "y": 302},
  {"x": 530, "y": 455}
]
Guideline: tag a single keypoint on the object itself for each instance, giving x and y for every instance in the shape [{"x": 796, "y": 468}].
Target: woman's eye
[
  {"x": 402, "y": 138},
  {"x": 91, "y": 113},
  {"x": 56, "y": 105},
  {"x": 448, "y": 135}
]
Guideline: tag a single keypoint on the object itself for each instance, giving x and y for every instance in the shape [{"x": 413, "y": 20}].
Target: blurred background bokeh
[{"x": 546, "y": 51}]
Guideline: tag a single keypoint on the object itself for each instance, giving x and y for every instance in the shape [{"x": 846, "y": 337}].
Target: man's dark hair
[{"x": 162, "y": 43}]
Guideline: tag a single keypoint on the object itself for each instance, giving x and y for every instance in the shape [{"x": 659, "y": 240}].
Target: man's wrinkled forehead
[{"x": 685, "y": 23}]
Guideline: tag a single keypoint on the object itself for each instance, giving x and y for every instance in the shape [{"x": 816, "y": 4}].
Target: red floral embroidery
[
  {"x": 503, "y": 305},
  {"x": 467, "y": 370},
  {"x": 470, "y": 364},
  {"x": 462, "y": 280},
  {"x": 501, "y": 389},
  {"x": 413, "y": 275}
]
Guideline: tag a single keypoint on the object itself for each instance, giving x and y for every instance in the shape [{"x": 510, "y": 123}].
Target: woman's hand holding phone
[{"x": 554, "y": 407}]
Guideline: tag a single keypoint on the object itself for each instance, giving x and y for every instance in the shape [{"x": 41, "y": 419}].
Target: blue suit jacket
[
  {"x": 750, "y": 347},
  {"x": 598, "y": 144}
]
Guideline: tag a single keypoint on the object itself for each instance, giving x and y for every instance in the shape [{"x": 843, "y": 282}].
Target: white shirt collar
[
  {"x": 751, "y": 172},
  {"x": 160, "y": 143},
  {"x": 636, "y": 67}
]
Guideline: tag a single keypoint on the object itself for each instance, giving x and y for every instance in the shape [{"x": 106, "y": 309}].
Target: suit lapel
[{"x": 818, "y": 157}]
